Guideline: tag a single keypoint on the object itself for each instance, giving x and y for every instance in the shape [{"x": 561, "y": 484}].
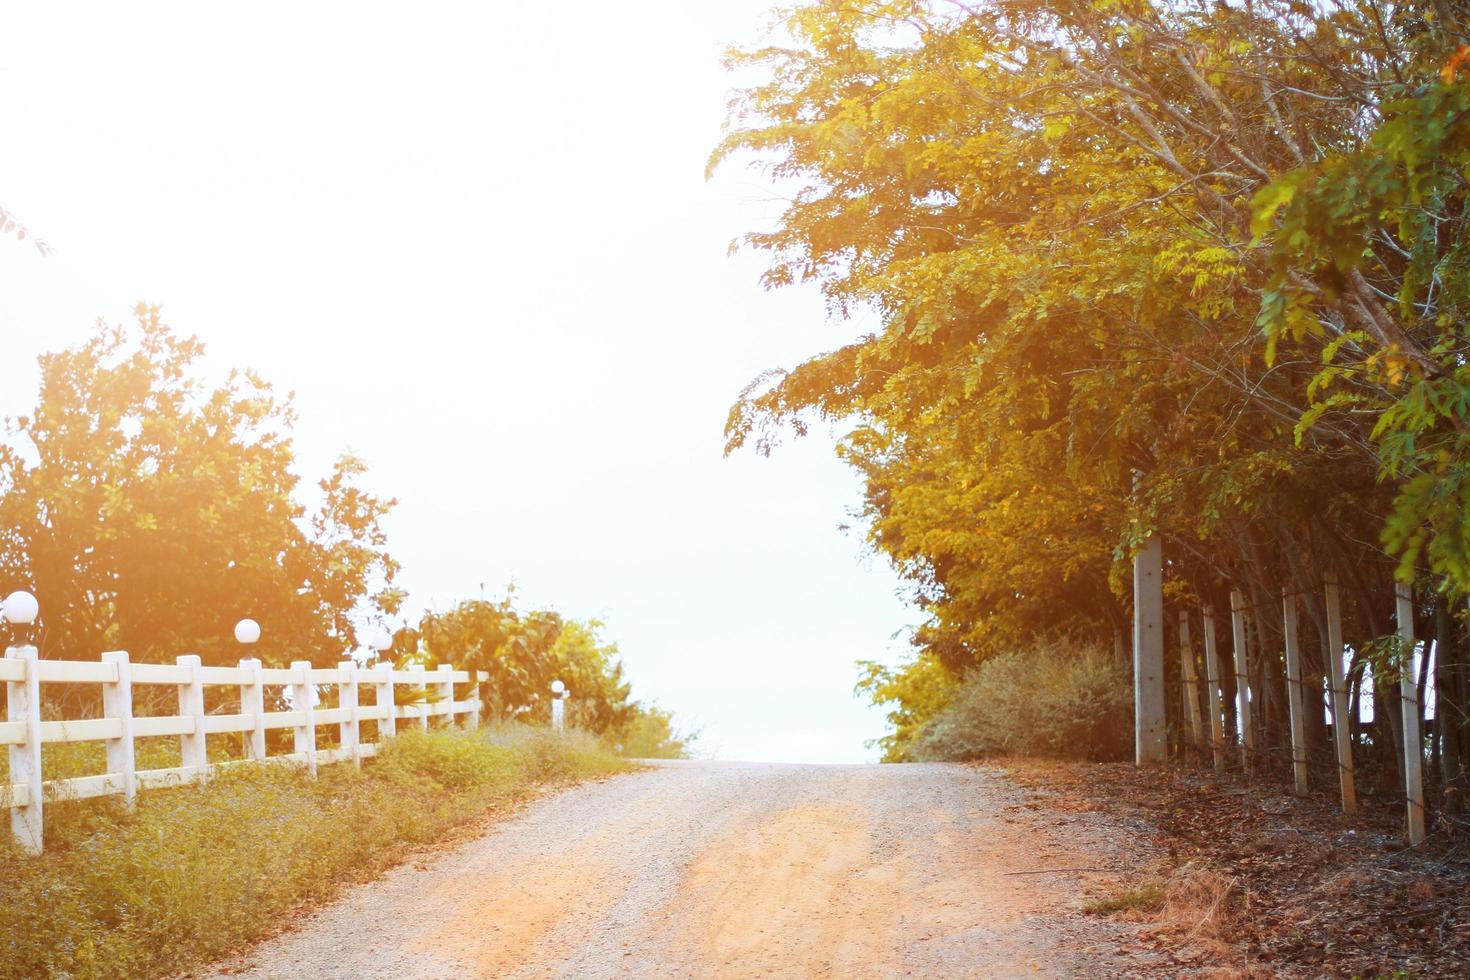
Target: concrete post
[
  {"x": 1294, "y": 696},
  {"x": 1189, "y": 683},
  {"x": 1213, "y": 704},
  {"x": 1341, "y": 725},
  {"x": 1242, "y": 680},
  {"x": 1150, "y": 732},
  {"x": 1409, "y": 694}
]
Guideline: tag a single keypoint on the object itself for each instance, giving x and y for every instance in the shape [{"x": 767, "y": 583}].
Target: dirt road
[{"x": 704, "y": 869}]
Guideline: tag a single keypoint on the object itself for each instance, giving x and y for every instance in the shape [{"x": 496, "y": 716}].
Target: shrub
[
  {"x": 195, "y": 872},
  {"x": 1055, "y": 700},
  {"x": 651, "y": 735}
]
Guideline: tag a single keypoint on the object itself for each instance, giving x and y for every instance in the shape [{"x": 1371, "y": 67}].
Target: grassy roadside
[{"x": 194, "y": 873}]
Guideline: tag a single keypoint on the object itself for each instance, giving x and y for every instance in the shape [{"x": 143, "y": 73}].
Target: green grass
[{"x": 194, "y": 873}]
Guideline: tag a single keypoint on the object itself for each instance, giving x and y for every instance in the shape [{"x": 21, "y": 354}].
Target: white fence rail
[{"x": 24, "y": 732}]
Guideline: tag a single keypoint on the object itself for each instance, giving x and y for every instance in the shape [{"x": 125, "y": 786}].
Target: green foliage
[
  {"x": 523, "y": 652},
  {"x": 150, "y": 512},
  {"x": 1190, "y": 270},
  {"x": 194, "y": 873},
  {"x": 650, "y": 734},
  {"x": 916, "y": 692},
  {"x": 1055, "y": 701}
]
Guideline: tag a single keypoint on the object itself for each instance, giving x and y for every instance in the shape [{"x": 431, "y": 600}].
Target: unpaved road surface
[{"x": 707, "y": 869}]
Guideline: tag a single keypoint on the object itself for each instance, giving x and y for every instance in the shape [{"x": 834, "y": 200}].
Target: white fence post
[
  {"x": 348, "y": 732},
  {"x": 473, "y": 721},
  {"x": 252, "y": 702},
  {"x": 1341, "y": 734},
  {"x": 191, "y": 705},
  {"x": 1242, "y": 680},
  {"x": 1213, "y": 700},
  {"x": 1189, "y": 682},
  {"x": 301, "y": 700},
  {"x": 446, "y": 693},
  {"x": 421, "y": 681},
  {"x": 24, "y": 705},
  {"x": 1409, "y": 693},
  {"x": 1294, "y": 695},
  {"x": 388, "y": 724},
  {"x": 117, "y": 702}
]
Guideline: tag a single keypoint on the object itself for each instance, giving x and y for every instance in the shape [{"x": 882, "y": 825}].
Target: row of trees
[
  {"x": 150, "y": 511},
  {"x": 1143, "y": 267}
]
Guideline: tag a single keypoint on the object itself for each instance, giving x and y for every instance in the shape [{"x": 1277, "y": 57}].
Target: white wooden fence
[{"x": 24, "y": 732}]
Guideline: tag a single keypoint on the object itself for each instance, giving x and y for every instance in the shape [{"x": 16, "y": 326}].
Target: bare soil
[{"x": 703, "y": 869}]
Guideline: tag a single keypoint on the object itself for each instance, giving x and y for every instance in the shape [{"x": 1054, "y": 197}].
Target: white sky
[{"x": 479, "y": 246}]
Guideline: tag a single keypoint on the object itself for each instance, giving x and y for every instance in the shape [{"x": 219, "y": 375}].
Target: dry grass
[
  {"x": 1196, "y": 907},
  {"x": 194, "y": 873},
  {"x": 1145, "y": 898}
]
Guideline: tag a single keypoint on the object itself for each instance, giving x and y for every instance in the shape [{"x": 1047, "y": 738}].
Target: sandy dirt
[{"x": 704, "y": 869}]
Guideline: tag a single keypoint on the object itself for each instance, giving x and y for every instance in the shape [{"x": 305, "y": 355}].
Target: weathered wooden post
[
  {"x": 302, "y": 692},
  {"x": 1213, "y": 702},
  {"x": 1409, "y": 700},
  {"x": 1294, "y": 695},
  {"x": 23, "y": 705},
  {"x": 1189, "y": 682},
  {"x": 1150, "y": 730},
  {"x": 1341, "y": 728},
  {"x": 117, "y": 702},
  {"x": 1242, "y": 679},
  {"x": 192, "y": 745}
]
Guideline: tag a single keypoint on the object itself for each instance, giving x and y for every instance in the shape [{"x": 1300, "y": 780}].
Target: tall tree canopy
[
  {"x": 149, "y": 511},
  {"x": 1180, "y": 268}
]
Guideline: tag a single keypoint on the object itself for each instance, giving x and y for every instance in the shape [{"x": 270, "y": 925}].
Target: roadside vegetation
[
  {"x": 1057, "y": 700},
  {"x": 195, "y": 873},
  {"x": 1186, "y": 271}
]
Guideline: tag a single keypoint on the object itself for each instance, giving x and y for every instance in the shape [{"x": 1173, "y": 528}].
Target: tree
[
  {"x": 1132, "y": 280},
  {"x": 523, "y": 652},
  {"x": 650, "y": 734},
  {"x": 149, "y": 512}
]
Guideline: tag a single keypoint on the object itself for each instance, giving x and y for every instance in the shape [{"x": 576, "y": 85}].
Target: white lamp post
[
  {"x": 247, "y": 632},
  {"x": 21, "y": 608},
  {"x": 379, "y": 641}
]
